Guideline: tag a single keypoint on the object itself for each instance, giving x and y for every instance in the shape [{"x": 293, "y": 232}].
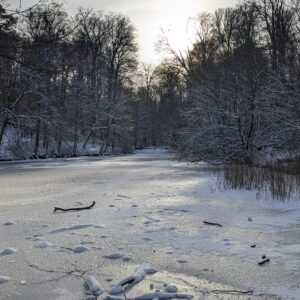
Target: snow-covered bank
[{"x": 14, "y": 148}]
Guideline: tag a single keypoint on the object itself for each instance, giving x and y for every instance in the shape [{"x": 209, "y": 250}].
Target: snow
[
  {"x": 128, "y": 282},
  {"x": 171, "y": 288},
  {"x": 8, "y": 251},
  {"x": 93, "y": 286},
  {"x": 75, "y": 228},
  {"x": 9, "y": 223}
]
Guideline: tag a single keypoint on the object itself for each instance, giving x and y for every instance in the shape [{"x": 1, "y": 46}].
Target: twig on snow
[
  {"x": 213, "y": 224},
  {"x": 264, "y": 261},
  {"x": 232, "y": 292},
  {"x": 74, "y": 208}
]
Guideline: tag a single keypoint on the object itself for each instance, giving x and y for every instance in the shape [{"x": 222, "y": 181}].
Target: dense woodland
[{"x": 73, "y": 83}]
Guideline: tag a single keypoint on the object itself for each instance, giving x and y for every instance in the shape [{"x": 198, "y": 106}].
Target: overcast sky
[{"x": 149, "y": 16}]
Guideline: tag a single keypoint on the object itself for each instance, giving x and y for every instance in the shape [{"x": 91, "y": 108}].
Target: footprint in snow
[
  {"x": 43, "y": 245},
  {"x": 126, "y": 258},
  {"x": 116, "y": 255},
  {"x": 9, "y": 223},
  {"x": 4, "y": 279},
  {"x": 146, "y": 239},
  {"x": 119, "y": 255},
  {"x": 80, "y": 249},
  {"x": 182, "y": 261},
  {"x": 170, "y": 288}
]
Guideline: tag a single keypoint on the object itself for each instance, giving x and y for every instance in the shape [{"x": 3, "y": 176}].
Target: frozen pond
[{"x": 149, "y": 209}]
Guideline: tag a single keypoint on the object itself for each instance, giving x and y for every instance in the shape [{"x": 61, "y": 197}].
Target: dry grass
[{"x": 281, "y": 181}]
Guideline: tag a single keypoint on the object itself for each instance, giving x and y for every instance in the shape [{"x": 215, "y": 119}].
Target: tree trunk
[{"x": 37, "y": 138}]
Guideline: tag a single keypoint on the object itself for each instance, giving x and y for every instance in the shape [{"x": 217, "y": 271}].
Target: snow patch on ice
[
  {"x": 8, "y": 251},
  {"x": 130, "y": 281},
  {"x": 119, "y": 255},
  {"x": 9, "y": 223},
  {"x": 92, "y": 286},
  {"x": 75, "y": 227},
  {"x": 80, "y": 249},
  {"x": 170, "y": 288},
  {"x": 43, "y": 245}
]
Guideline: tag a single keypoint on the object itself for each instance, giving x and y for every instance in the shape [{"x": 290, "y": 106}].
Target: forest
[{"x": 74, "y": 85}]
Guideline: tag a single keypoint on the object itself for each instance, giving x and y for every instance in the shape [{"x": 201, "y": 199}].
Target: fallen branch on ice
[
  {"x": 264, "y": 261},
  {"x": 232, "y": 292},
  {"x": 74, "y": 208},
  {"x": 213, "y": 224},
  {"x": 162, "y": 296}
]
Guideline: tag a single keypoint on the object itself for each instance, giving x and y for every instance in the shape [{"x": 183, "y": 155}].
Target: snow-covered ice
[{"x": 159, "y": 221}]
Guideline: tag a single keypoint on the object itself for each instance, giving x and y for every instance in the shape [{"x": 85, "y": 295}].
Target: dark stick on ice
[
  {"x": 232, "y": 292},
  {"x": 264, "y": 261},
  {"x": 213, "y": 224},
  {"x": 74, "y": 208}
]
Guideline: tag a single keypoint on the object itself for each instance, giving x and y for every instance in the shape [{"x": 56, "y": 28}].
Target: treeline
[
  {"x": 242, "y": 84},
  {"x": 66, "y": 83},
  {"x": 69, "y": 84}
]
